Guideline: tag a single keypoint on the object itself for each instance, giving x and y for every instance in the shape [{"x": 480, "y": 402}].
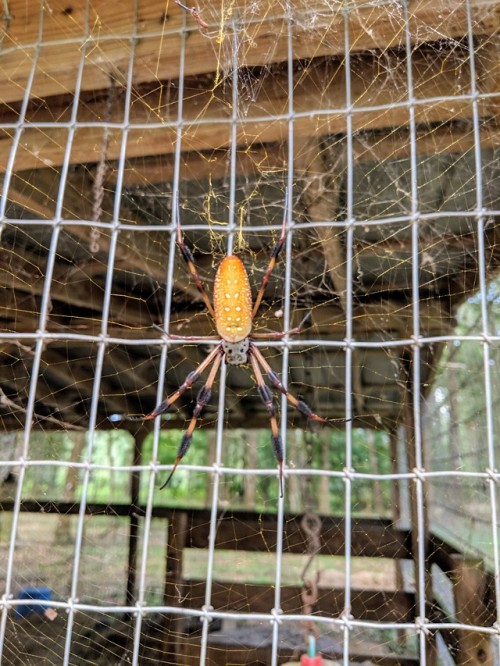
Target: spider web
[{"x": 370, "y": 127}]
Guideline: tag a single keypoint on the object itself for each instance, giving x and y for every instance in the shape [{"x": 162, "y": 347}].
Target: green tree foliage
[
  {"x": 465, "y": 398},
  {"x": 457, "y": 407}
]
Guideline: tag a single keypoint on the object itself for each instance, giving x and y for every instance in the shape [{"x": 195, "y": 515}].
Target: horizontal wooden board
[
  {"x": 224, "y": 649},
  {"x": 104, "y": 38},
  {"x": 379, "y": 92},
  {"x": 247, "y": 530},
  {"x": 369, "y": 605}
]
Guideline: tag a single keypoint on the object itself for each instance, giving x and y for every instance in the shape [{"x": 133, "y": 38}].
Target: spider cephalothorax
[
  {"x": 236, "y": 353},
  {"x": 233, "y": 314}
]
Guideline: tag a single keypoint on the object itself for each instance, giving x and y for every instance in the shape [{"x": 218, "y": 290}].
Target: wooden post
[
  {"x": 378, "y": 502},
  {"x": 409, "y": 395},
  {"x": 62, "y": 534},
  {"x": 324, "y": 481},
  {"x": 250, "y": 480},
  {"x": 295, "y": 483},
  {"x": 469, "y": 586},
  {"x": 8, "y": 445},
  {"x": 211, "y": 455},
  {"x": 454, "y": 416},
  {"x": 139, "y": 436},
  {"x": 173, "y": 590},
  {"x": 396, "y": 515},
  {"x": 395, "y": 489}
]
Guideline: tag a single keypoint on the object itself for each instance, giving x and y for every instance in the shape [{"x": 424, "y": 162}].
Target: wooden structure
[
  {"x": 381, "y": 146},
  {"x": 247, "y": 531},
  {"x": 263, "y": 90}
]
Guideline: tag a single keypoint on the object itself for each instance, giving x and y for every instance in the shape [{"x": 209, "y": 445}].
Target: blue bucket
[{"x": 38, "y": 593}]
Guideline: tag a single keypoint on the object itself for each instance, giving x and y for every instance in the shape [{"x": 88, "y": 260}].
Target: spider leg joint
[
  {"x": 201, "y": 400},
  {"x": 267, "y": 398}
]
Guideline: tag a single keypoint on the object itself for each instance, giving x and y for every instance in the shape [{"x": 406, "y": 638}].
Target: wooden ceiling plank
[
  {"x": 393, "y": 318},
  {"x": 263, "y": 39},
  {"x": 318, "y": 91},
  {"x": 270, "y": 159}
]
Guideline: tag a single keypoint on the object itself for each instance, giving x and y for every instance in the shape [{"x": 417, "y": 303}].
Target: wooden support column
[
  {"x": 250, "y": 480},
  {"x": 139, "y": 436},
  {"x": 469, "y": 586},
  {"x": 325, "y": 438},
  {"x": 395, "y": 485},
  {"x": 417, "y": 536},
  {"x": 295, "y": 450},
  {"x": 396, "y": 514},
  {"x": 378, "y": 503},
  {"x": 321, "y": 193},
  {"x": 211, "y": 456},
  {"x": 173, "y": 590}
]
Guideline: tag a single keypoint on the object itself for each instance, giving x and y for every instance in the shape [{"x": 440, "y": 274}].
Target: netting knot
[
  {"x": 346, "y": 618},
  {"x": 485, "y": 337},
  {"x": 4, "y": 600},
  {"x": 276, "y": 616},
  {"x": 493, "y": 474},
  {"x": 417, "y": 340},
  {"x": 23, "y": 462},
  {"x": 71, "y": 603},
  {"x": 348, "y": 473},
  {"x": 139, "y": 608},
  {"x": 217, "y": 469},
  {"x": 207, "y": 617},
  {"x": 419, "y": 474},
  {"x": 421, "y": 625}
]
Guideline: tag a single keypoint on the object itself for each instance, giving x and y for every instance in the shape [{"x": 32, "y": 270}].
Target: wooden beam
[
  {"x": 270, "y": 159},
  {"x": 240, "y": 647},
  {"x": 254, "y": 531},
  {"x": 319, "y": 104},
  {"x": 322, "y": 185},
  {"x": 487, "y": 55},
  {"x": 469, "y": 586},
  {"x": 71, "y": 285},
  {"x": 257, "y": 161},
  {"x": 130, "y": 321},
  {"x": 368, "y": 539},
  {"x": 139, "y": 434},
  {"x": 173, "y": 591},
  {"x": 320, "y": 192},
  {"x": 263, "y": 38},
  {"x": 418, "y": 503},
  {"x": 37, "y": 191},
  {"x": 370, "y": 605}
]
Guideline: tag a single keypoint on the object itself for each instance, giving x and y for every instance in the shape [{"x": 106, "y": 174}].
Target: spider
[{"x": 233, "y": 314}]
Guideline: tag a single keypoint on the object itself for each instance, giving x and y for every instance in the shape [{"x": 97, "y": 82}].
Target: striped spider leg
[{"x": 233, "y": 314}]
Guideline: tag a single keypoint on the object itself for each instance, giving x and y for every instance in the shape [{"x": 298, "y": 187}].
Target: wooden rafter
[
  {"x": 106, "y": 43},
  {"x": 270, "y": 159},
  {"x": 440, "y": 78}
]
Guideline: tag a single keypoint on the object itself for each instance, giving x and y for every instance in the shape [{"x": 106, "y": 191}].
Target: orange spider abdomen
[{"x": 232, "y": 300}]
